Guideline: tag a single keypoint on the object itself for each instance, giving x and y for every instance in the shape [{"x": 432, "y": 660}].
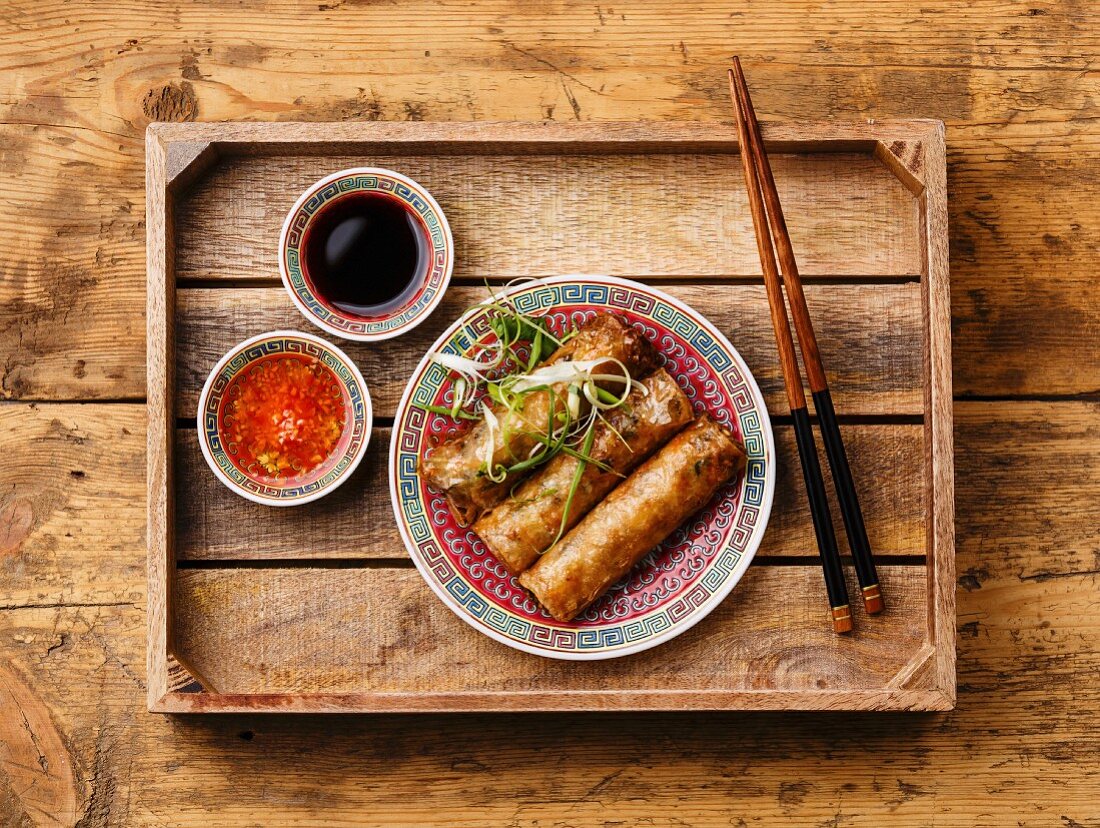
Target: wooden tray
[{"x": 320, "y": 609}]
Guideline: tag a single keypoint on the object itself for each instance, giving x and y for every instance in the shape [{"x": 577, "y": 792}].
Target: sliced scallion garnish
[{"x": 579, "y": 393}]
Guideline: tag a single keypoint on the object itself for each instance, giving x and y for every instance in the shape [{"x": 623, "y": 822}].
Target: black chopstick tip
[{"x": 842, "y": 619}]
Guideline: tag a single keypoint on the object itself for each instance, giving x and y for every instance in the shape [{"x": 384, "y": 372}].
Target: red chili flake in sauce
[{"x": 286, "y": 416}]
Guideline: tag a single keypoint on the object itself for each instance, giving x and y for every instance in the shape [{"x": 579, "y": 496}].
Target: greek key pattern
[
  {"x": 440, "y": 254},
  {"x": 681, "y": 577},
  {"x": 223, "y": 388}
]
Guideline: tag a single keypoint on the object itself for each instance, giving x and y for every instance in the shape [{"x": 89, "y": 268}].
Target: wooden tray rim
[{"x": 914, "y": 150}]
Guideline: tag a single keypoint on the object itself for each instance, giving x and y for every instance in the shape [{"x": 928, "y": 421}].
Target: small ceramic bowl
[
  {"x": 419, "y": 204},
  {"x": 216, "y": 411}
]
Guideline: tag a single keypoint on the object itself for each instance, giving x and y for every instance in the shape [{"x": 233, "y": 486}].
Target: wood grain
[
  {"x": 1028, "y": 477},
  {"x": 160, "y": 213},
  {"x": 351, "y": 630},
  {"x": 71, "y": 488},
  {"x": 1027, "y": 641},
  {"x": 1013, "y": 314},
  {"x": 1019, "y": 206},
  {"x": 870, "y": 336},
  {"x": 72, "y": 539},
  {"x": 1013, "y": 90},
  {"x": 623, "y": 215},
  {"x": 1013, "y": 81},
  {"x": 939, "y": 478},
  {"x": 46, "y": 792},
  {"x": 212, "y": 523},
  {"x": 157, "y": 769}
]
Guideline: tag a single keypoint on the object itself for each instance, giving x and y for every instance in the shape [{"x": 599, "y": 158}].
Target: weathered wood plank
[
  {"x": 1024, "y": 296},
  {"x": 359, "y": 630},
  {"x": 623, "y": 215},
  {"x": 72, "y": 504},
  {"x": 160, "y": 420},
  {"x": 1011, "y": 80},
  {"x": 1027, "y": 714},
  {"x": 1028, "y": 490},
  {"x": 77, "y": 256},
  {"x": 1019, "y": 747},
  {"x": 72, "y": 298},
  {"x": 34, "y": 792},
  {"x": 939, "y": 475},
  {"x": 212, "y": 523},
  {"x": 72, "y": 539},
  {"x": 596, "y": 54},
  {"x": 870, "y": 340}
]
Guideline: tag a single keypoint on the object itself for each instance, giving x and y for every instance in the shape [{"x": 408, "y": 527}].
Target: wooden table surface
[{"x": 1016, "y": 84}]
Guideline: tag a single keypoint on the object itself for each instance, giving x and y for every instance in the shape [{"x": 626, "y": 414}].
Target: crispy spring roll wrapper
[
  {"x": 455, "y": 467},
  {"x": 522, "y": 526},
  {"x": 635, "y": 517}
]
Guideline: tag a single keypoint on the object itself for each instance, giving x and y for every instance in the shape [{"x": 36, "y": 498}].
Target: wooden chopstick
[
  {"x": 840, "y": 612},
  {"x": 850, "y": 511}
]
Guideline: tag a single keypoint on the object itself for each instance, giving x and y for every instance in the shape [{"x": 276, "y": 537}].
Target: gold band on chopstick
[
  {"x": 872, "y": 599},
  {"x": 842, "y": 619}
]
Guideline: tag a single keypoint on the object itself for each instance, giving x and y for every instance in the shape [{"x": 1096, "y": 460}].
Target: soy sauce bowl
[
  {"x": 373, "y": 277},
  {"x": 241, "y": 385}
]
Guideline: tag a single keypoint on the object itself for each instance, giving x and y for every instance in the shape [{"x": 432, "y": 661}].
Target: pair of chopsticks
[{"x": 758, "y": 176}]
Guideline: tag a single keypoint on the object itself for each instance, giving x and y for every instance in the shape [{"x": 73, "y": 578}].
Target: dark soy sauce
[{"x": 365, "y": 254}]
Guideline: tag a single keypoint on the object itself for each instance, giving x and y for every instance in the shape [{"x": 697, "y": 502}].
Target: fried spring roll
[
  {"x": 635, "y": 517},
  {"x": 457, "y": 467},
  {"x": 522, "y": 526}
]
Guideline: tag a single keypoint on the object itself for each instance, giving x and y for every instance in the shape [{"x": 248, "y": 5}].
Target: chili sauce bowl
[{"x": 284, "y": 418}]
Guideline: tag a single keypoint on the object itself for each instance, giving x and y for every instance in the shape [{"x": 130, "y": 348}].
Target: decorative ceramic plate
[
  {"x": 247, "y": 360},
  {"x": 676, "y": 584},
  {"x": 419, "y": 203}
]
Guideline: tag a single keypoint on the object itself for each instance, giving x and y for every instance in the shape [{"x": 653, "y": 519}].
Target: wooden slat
[
  {"x": 541, "y": 137},
  {"x": 643, "y": 215},
  {"x": 870, "y": 339},
  {"x": 160, "y": 354},
  {"x": 212, "y": 523},
  {"x": 939, "y": 413},
  {"x": 73, "y": 483},
  {"x": 359, "y": 630}
]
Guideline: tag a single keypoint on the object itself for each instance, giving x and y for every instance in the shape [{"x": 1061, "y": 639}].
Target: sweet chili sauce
[{"x": 285, "y": 416}]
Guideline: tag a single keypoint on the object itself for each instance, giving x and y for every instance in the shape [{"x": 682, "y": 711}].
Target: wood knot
[{"x": 171, "y": 103}]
